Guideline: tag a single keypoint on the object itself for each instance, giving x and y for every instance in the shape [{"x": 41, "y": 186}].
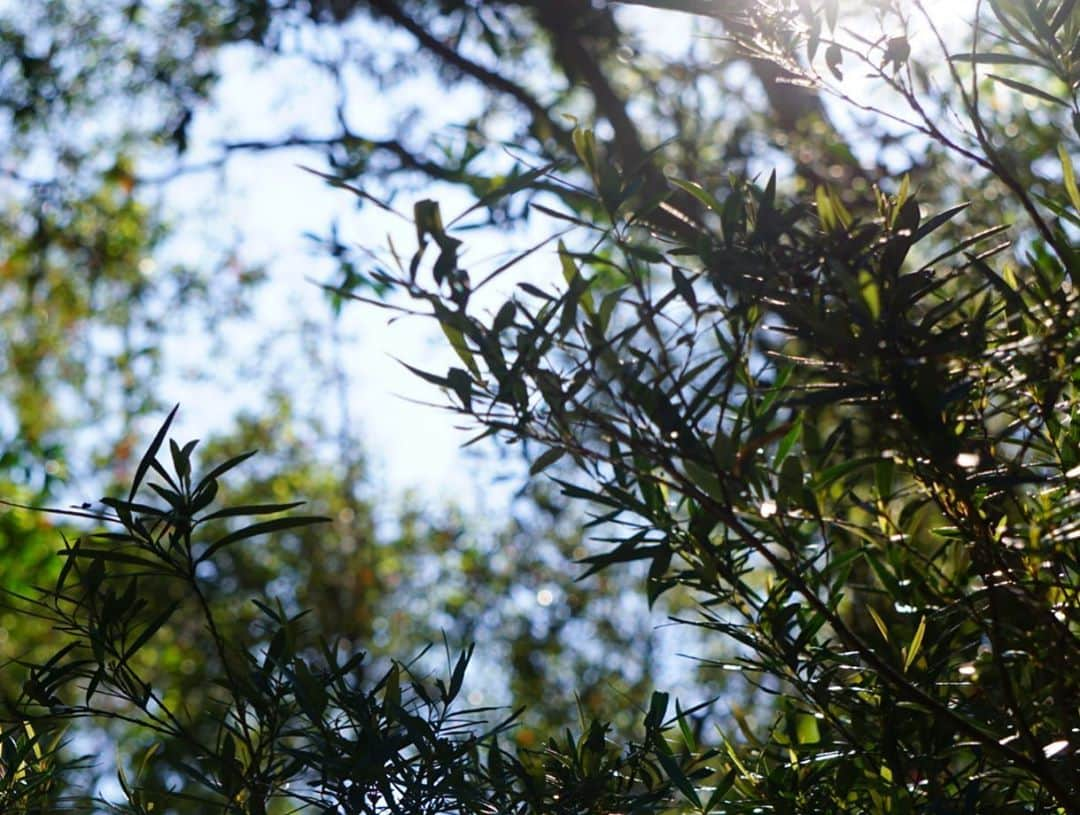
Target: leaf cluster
[
  {"x": 852, "y": 440},
  {"x": 292, "y": 719}
]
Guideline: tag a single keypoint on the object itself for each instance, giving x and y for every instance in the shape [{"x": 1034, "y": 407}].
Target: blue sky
[{"x": 264, "y": 203}]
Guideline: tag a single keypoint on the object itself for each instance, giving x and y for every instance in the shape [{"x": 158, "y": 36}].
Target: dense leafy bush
[{"x": 846, "y": 424}]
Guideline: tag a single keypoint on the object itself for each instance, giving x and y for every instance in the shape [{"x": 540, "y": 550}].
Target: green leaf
[
  {"x": 457, "y": 677},
  {"x": 434, "y": 379},
  {"x": 788, "y": 442},
  {"x": 806, "y": 729},
  {"x": 700, "y": 193},
  {"x": 880, "y": 623},
  {"x": 1062, "y": 15},
  {"x": 428, "y": 221},
  {"x": 573, "y": 277},
  {"x": 515, "y": 182},
  {"x": 546, "y": 459},
  {"x": 504, "y": 318},
  {"x": 585, "y": 147},
  {"x": 684, "y": 728},
  {"x": 181, "y": 458},
  {"x": 535, "y": 292},
  {"x": 685, "y": 289},
  {"x": 834, "y": 58},
  {"x": 826, "y": 215},
  {"x": 658, "y": 704},
  {"x": 655, "y": 582},
  {"x": 310, "y": 691},
  {"x": 939, "y": 220},
  {"x": 791, "y": 480},
  {"x": 203, "y": 497},
  {"x": 884, "y": 471},
  {"x": 126, "y": 509},
  {"x": 112, "y": 556},
  {"x": 174, "y": 499},
  {"x": 916, "y": 644},
  {"x": 223, "y": 468},
  {"x": 1059, "y": 208},
  {"x": 264, "y": 528},
  {"x": 870, "y": 292},
  {"x": 151, "y": 453},
  {"x": 993, "y": 58},
  {"x": 705, "y": 479},
  {"x": 1037, "y": 15},
  {"x": 457, "y": 342},
  {"x": 607, "y": 307},
  {"x": 768, "y": 195},
  {"x": 678, "y": 778},
  {"x": 838, "y": 471},
  {"x": 251, "y": 509},
  {"x": 561, "y": 216},
  {"x": 733, "y": 217},
  {"x": 904, "y": 191},
  {"x": 1069, "y": 176},
  {"x": 722, "y": 788},
  {"x": 461, "y": 384},
  {"x": 881, "y": 571},
  {"x": 151, "y": 629},
  {"x": 1030, "y": 90},
  {"x": 971, "y": 240}
]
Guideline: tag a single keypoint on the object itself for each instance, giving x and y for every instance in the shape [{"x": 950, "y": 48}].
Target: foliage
[
  {"x": 844, "y": 423},
  {"x": 855, "y": 441},
  {"x": 390, "y": 577},
  {"x": 98, "y": 104},
  {"x": 83, "y": 322},
  {"x": 291, "y": 718},
  {"x": 512, "y": 70}
]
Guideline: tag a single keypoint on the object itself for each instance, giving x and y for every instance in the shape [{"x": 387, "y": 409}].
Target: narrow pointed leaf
[
  {"x": 252, "y": 509},
  {"x": 916, "y": 644},
  {"x": 223, "y": 468},
  {"x": 151, "y": 629},
  {"x": 545, "y": 460},
  {"x": 1069, "y": 175},
  {"x": 151, "y": 453},
  {"x": 264, "y": 528},
  {"x": 1030, "y": 90}
]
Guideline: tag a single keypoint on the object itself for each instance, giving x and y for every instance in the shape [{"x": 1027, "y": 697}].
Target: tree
[
  {"x": 847, "y": 435},
  {"x": 522, "y": 62},
  {"x": 100, "y": 106},
  {"x": 290, "y": 717},
  {"x": 844, "y": 427},
  {"x": 83, "y": 321}
]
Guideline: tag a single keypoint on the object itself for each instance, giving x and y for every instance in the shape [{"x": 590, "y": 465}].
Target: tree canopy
[{"x": 829, "y": 404}]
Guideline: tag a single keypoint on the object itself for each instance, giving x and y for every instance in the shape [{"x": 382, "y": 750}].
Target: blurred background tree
[
  {"x": 102, "y": 105},
  {"x": 98, "y": 102},
  {"x": 101, "y": 102}
]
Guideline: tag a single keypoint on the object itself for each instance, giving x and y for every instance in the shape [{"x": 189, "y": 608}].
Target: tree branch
[{"x": 543, "y": 125}]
